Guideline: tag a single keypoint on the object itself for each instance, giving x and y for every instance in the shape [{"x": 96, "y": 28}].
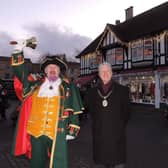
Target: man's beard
[{"x": 52, "y": 76}]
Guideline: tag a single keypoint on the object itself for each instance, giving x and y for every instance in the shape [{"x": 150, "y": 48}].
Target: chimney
[
  {"x": 117, "y": 22},
  {"x": 129, "y": 13}
]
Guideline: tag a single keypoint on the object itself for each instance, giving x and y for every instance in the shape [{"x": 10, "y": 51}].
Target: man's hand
[
  {"x": 69, "y": 137},
  {"x": 20, "y": 44}
]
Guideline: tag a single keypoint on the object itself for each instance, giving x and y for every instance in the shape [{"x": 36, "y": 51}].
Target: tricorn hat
[{"x": 54, "y": 60}]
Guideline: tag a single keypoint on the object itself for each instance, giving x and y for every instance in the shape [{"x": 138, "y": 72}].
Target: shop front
[
  {"x": 142, "y": 86},
  {"x": 147, "y": 87}
]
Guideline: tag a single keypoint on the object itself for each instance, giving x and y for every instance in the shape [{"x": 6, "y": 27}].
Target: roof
[
  {"x": 147, "y": 23},
  {"x": 91, "y": 47}
]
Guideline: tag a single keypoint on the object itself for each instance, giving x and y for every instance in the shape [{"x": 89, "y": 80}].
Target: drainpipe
[{"x": 157, "y": 89}]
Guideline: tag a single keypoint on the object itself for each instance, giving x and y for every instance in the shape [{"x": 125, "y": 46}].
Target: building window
[
  {"x": 119, "y": 55},
  {"x": 148, "y": 49},
  {"x": 110, "y": 56},
  {"x": 137, "y": 51},
  {"x": 93, "y": 62},
  {"x": 155, "y": 47},
  {"x": 115, "y": 56}
]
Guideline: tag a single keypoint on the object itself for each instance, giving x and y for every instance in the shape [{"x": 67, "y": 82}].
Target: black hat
[{"x": 54, "y": 60}]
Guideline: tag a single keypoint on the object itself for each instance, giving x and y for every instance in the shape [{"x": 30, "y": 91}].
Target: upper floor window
[
  {"x": 119, "y": 55},
  {"x": 110, "y": 56},
  {"x": 155, "y": 47},
  {"x": 115, "y": 56},
  {"x": 137, "y": 51},
  {"x": 148, "y": 49},
  {"x": 93, "y": 62}
]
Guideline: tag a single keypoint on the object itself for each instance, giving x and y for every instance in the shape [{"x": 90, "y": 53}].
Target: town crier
[{"x": 49, "y": 110}]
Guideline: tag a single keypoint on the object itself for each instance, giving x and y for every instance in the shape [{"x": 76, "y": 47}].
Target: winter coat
[
  {"x": 70, "y": 105},
  {"x": 109, "y": 123}
]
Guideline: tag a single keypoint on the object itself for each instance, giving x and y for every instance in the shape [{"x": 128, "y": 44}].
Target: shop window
[{"x": 142, "y": 89}]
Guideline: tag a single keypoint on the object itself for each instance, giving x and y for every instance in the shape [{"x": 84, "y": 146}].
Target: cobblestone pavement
[
  {"x": 147, "y": 143},
  {"x": 15, "y": 162}
]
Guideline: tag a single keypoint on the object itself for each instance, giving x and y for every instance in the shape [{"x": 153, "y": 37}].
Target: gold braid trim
[
  {"x": 74, "y": 126},
  {"x": 16, "y": 64},
  {"x": 77, "y": 112},
  {"x": 17, "y": 58},
  {"x": 55, "y": 138},
  {"x": 68, "y": 109},
  {"x": 62, "y": 93}
]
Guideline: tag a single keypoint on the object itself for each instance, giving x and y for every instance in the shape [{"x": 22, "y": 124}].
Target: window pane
[
  {"x": 137, "y": 51},
  {"x": 110, "y": 56},
  {"x": 119, "y": 55},
  {"x": 148, "y": 49}
]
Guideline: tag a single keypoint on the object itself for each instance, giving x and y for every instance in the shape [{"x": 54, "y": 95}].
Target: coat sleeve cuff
[
  {"x": 73, "y": 130},
  {"x": 17, "y": 59}
]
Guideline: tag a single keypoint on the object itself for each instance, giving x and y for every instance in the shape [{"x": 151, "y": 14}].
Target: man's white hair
[{"x": 104, "y": 63}]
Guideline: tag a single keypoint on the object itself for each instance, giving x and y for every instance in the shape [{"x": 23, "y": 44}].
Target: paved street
[{"x": 147, "y": 142}]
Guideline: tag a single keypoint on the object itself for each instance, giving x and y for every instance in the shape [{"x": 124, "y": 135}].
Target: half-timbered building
[{"x": 138, "y": 52}]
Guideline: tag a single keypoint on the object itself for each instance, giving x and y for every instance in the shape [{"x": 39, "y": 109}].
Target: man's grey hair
[{"x": 104, "y": 63}]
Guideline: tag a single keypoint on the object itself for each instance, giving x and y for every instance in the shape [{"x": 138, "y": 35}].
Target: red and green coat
[{"x": 70, "y": 103}]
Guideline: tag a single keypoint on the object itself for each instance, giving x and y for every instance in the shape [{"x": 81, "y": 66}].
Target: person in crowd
[
  {"x": 49, "y": 110},
  {"x": 3, "y": 102},
  {"x": 15, "y": 114},
  {"x": 108, "y": 105}
]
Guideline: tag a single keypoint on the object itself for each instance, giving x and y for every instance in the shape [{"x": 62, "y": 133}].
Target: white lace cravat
[{"x": 49, "y": 89}]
